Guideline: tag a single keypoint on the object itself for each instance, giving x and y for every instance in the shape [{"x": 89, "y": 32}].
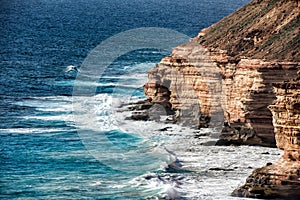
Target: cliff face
[
  {"x": 209, "y": 88},
  {"x": 281, "y": 179},
  {"x": 187, "y": 80},
  {"x": 225, "y": 74},
  {"x": 286, "y": 118},
  {"x": 224, "y": 77}
]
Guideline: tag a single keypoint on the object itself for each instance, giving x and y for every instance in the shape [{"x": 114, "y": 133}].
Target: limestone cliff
[
  {"x": 224, "y": 77},
  {"x": 281, "y": 179},
  {"x": 225, "y": 74}
]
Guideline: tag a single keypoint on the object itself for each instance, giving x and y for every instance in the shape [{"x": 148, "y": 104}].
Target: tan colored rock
[
  {"x": 281, "y": 179},
  {"x": 225, "y": 74},
  {"x": 204, "y": 85}
]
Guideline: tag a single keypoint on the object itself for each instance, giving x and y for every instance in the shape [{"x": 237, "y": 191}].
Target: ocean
[{"x": 63, "y": 134}]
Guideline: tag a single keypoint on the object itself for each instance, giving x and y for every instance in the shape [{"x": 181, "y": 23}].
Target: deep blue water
[{"x": 42, "y": 156}]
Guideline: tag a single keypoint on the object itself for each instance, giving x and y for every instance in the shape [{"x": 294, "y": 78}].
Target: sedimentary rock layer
[
  {"x": 282, "y": 178},
  {"x": 225, "y": 74},
  {"x": 209, "y": 88}
]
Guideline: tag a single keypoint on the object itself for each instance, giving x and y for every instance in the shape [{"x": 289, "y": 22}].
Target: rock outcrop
[
  {"x": 208, "y": 88},
  {"x": 224, "y": 77},
  {"x": 282, "y": 178},
  {"x": 225, "y": 74}
]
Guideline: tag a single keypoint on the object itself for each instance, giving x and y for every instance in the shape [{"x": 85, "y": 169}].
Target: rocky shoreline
[
  {"x": 282, "y": 178},
  {"x": 224, "y": 78}
]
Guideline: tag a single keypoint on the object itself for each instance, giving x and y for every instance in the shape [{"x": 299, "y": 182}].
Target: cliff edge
[
  {"x": 224, "y": 78},
  {"x": 282, "y": 178},
  {"x": 225, "y": 74}
]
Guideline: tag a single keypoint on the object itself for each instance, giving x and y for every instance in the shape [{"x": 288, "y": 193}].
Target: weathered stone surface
[
  {"x": 286, "y": 114},
  {"x": 277, "y": 180},
  {"x": 248, "y": 92},
  {"x": 281, "y": 179},
  {"x": 176, "y": 81},
  {"x": 263, "y": 29},
  {"x": 225, "y": 74},
  {"x": 208, "y": 88}
]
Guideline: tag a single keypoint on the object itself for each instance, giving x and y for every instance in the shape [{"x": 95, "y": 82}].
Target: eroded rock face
[
  {"x": 286, "y": 113},
  {"x": 247, "y": 88},
  {"x": 225, "y": 74},
  {"x": 209, "y": 88},
  {"x": 281, "y": 179},
  {"x": 181, "y": 79}
]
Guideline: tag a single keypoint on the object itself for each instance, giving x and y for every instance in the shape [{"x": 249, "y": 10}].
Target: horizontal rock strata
[
  {"x": 281, "y": 179},
  {"x": 224, "y": 78},
  {"x": 210, "y": 88},
  {"x": 225, "y": 74}
]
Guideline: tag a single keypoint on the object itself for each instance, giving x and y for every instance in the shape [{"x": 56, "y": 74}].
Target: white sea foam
[
  {"x": 31, "y": 130},
  {"x": 212, "y": 172},
  {"x": 59, "y": 108},
  {"x": 215, "y": 171},
  {"x": 61, "y": 117}
]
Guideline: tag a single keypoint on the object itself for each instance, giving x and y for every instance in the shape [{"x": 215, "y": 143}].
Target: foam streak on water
[
  {"x": 42, "y": 154},
  {"x": 181, "y": 163},
  {"x": 114, "y": 157}
]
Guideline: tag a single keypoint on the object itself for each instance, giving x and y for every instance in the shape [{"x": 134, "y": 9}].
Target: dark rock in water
[
  {"x": 164, "y": 129},
  {"x": 220, "y": 169},
  {"x": 199, "y": 135},
  {"x": 208, "y": 143},
  {"x": 149, "y": 177},
  {"x": 140, "y": 105},
  {"x": 175, "y": 167},
  {"x": 140, "y": 110},
  {"x": 147, "y": 110},
  {"x": 268, "y": 164},
  {"x": 156, "y": 111},
  {"x": 265, "y": 183},
  {"x": 139, "y": 116},
  {"x": 241, "y": 136}
]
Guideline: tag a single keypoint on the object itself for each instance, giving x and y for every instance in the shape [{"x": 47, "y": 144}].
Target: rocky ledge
[
  {"x": 224, "y": 76},
  {"x": 282, "y": 178},
  {"x": 209, "y": 89}
]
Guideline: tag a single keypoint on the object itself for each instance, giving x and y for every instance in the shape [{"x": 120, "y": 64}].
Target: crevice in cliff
[{"x": 282, "y": 178}]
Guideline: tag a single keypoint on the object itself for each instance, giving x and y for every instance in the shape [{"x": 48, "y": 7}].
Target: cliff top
[{"x": 262, "y": 29}]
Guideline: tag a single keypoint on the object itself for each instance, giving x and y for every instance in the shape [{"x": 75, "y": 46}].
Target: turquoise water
[{"x": 45, "y": 152}]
